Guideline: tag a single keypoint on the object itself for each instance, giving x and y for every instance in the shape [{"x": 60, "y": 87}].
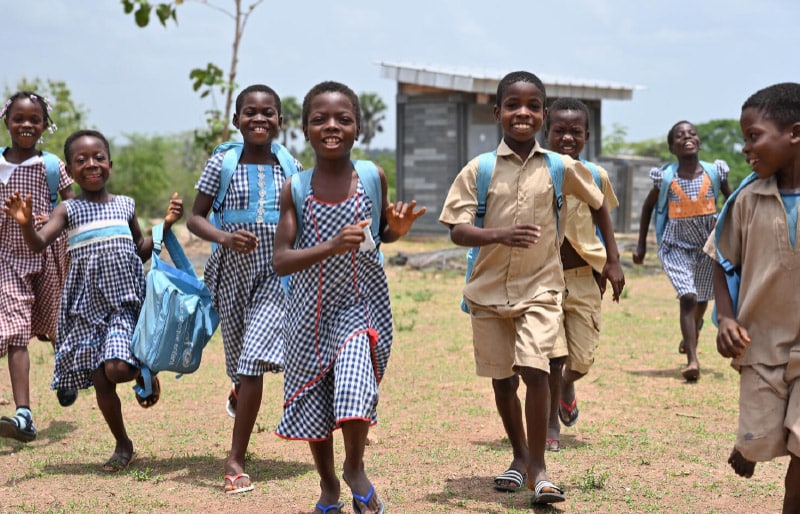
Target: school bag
[
  {"x": 733, "y": 274},
  {"x": 486, "y": 162},
  {"x": 662, "y": 208},
  {"x": 177, "y": 318},
  {"x": 233, "y": 152},
  {"x": 371, "y": 180},
  {"x": 52, "y": 172}
]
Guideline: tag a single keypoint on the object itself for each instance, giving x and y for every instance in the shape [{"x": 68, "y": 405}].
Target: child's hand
[
  {"x": 613, "y": 273},
  {"x": 19, "y": 209},
  {"x": 638, "y": 255},
  {"x": 400, "y": 216},
  {"x": 520, "y": 236},
  {"x": 174, "y": 211},
  {"x": 732, "y": 338},
  {"x": 349, "y": 238},
  {"x": 241, "y": 241}
]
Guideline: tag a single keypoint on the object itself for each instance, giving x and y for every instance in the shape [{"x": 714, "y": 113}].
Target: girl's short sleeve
[
  {"x": 209, "y": 180},
  {"x": 722, "y": 169},
  {"x": 657, "y": 175}
]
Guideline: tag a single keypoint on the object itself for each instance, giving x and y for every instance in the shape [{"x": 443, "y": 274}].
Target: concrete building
[{"x": 444, "y": 117}]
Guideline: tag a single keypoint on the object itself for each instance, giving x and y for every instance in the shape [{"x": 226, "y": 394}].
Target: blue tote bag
[{"x": 177, "y": 318}]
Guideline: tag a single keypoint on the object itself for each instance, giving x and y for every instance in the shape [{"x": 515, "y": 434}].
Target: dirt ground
[{"x": 646, "y": 441}]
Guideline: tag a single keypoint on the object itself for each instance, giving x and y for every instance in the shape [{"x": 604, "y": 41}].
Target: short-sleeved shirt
[
  {"x": 520, "y": 192},
  {"x": 755, "y": 236},
  {"x": 580, "y": 228}
]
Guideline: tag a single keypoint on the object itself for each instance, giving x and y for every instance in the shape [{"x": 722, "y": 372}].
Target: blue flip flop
[
  {"x": 335, "y": 508},
  {"x": 365, "y": 500}
]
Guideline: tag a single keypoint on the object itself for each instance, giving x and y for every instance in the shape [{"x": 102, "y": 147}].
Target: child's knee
[{"x": 118, "y": 371}]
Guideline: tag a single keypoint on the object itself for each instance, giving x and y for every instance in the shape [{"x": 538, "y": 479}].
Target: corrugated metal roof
[{"x": 477, "y": 80}]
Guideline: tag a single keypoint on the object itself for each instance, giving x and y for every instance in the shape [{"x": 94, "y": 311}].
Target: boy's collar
[{"x": 503, "y": 149}]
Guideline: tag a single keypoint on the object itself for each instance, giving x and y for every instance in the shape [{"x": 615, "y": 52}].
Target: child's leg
[
  {"x": 537, "y": 406},
  {"x": 510, "y": 410},
  {"x": 330, "y": 490},
  {"x": 353, "y": 470},
  {"x": 791, "y": 499},
  {"x": 247, "y": 406},
  {"x": 105, "y": 379},
  {"x": 554, "y": 425},
  {"x": 690, "y": 310},
  {"x": 19, "y": 367}
]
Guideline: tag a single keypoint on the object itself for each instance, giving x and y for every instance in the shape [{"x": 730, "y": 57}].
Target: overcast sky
[{"x": 697, "y": 60}]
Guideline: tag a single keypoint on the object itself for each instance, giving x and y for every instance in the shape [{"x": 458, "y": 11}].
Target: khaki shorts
[
  {"x": 769, "y": 410},
  {"x": 506, "y": 338},
  {"x": 580, "y": 334}
]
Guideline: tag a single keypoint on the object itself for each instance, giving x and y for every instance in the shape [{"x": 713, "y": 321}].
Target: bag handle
[{"x": 174, "y": 249}]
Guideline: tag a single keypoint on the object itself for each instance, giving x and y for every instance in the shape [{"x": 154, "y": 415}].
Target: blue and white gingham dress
[
  {"x": 688, "y": 268},
  {"x": 245, "y": 289},
  {"x": 102, "y": 296},
  {"x": 339, "y": 329}
]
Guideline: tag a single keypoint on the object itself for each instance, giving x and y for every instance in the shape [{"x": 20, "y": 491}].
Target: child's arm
[
  {"x": 396, "y": 219},
  {"x": 612, "y": 270},
  {"x": 286, "y": 259},
  {"x": 22, "y": 212},
  {"x": 644, "y": 224},
  {"x": 241, "y": 241},
  {"x": 144, "y": 245},
  {"x": 732, "y": 338},
  {"x": 518, "y": 236}
]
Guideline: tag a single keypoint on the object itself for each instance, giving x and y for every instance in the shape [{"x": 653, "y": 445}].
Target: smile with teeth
[
  {"x": 330, "y": 140},
  {"x": 522, "y": 126}
]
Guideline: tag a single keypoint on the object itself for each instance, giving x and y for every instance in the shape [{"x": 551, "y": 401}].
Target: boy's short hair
[
  {"x": 567, "y": 104},
  {"x": 779, "y": 102},
  {"x": 257, "y": 88},
  {"x": 513, "y": 78}
]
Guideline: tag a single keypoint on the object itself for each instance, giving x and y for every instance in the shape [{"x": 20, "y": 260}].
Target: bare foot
[{"x": 740, "y": 465}]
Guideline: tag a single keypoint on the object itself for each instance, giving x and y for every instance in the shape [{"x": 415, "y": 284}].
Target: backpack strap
[
  {"x": 598, "y": 182},
  {"x": 52, "y": 168},
  {"x": 668, "y": 173},
  {"x": 732, "y": 274},
  {"x": 713, "y": 174},
  {"x": 486, "y": 162},
  {"x": 555, "y": 165}
]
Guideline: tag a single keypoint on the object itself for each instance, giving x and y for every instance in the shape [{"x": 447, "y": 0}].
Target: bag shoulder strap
[
  {"x": 555, "y": 166},
  {"x": 713, "y": 174},
  {"x": 595, "y": 174},
  {"x": 174, "y": 248},
  {"x": 52, "y": 168},
  {"x": 371, "y": 180},
  {"x": 486, "y": 163},
  {"x": 724, "y": 262}
]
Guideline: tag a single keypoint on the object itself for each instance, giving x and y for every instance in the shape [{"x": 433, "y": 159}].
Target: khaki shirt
[
  {"x": 520, "y": 192},
  {"x": 580, "y": 229},
  {"x": 755, "y": 235}
]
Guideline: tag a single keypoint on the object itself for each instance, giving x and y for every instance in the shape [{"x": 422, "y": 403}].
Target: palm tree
[{"x": 372, "y": 115}]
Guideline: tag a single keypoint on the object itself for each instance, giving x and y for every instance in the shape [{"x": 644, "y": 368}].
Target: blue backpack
[
  {"x": 177, "y": 318},
  {"x": 733, "y": 275},
  {"x": 486, "y": 162},
  {"x": 53, "y": 173},
  {"x": 370, "y": 178},
  {"x": 233, "y": 152},
  {"x": 662, "y": 208}
]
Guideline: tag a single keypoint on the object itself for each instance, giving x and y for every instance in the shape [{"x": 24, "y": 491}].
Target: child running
[
  {"x": 515, "y": 290},
  {"x": 32, "y": 282},
  {"x": 245, "y": 290},
  {"x": 339, "y": 319},
  {"x": 105, "y": 284},
  {"x": 684, "y": 195},
  {"x": 759, "y": 235},
  {"x": 583, "y": 256}
]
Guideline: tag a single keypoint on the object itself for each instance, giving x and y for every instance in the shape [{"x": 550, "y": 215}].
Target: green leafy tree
[
  {"x": 372, "y": 115},
  {"x": 140, "y": 172},
  {"x": 292, "y": 111},
  {"x": 67, "y": 116},
  {"x": 211, "y": 78}
]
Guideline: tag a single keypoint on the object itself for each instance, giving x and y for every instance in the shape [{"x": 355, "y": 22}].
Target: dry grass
[{"x": 646, "y": 440}]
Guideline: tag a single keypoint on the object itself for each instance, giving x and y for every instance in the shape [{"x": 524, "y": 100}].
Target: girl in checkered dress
[
  {"x": 31, "y": 281},
  {"x": 105, "y": 283},
  {"x": 692, "y": 214},
  {"x": 246, "y": 291},
  {"x": 339, "y": 321}
]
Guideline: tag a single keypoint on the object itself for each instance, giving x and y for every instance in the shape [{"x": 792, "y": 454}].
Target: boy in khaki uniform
[
  {"x": 583, "y": 256},
  {"x": 515, "y": 290},
  {"x": 759, "y": 234}
]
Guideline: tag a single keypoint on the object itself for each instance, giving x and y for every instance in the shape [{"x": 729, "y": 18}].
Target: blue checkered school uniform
[
  {"x": 339, "y": 328},
  {"x": 245, "y": 290},
  {"x": 689, "y": 269},
  {"x": 103, "y": 292}
]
